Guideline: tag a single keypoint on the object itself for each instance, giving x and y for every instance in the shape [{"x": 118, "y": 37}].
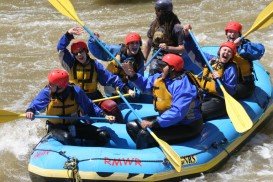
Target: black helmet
[{"x": 164, "y": 5}]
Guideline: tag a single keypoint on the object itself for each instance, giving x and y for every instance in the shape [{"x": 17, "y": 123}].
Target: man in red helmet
[
  {"x": 130, "y": 51},
  {"x": 213, "y": 104},
  {"x": 175, "y": 98},
  {"x": 61, "y": 98},
  {"x": 87, "y": 72},
  {"x": 247, "y": 52}
]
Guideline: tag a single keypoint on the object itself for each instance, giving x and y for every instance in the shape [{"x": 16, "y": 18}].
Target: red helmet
[
  {"x": 78, "y": 45},
  {"x": 132, "y": 37},
  {"x": 234, "y": 25},
  {"x": 230, "y": 45},
  {"x": 58, "y": 77},
  {"x": 174, "y": 60}
]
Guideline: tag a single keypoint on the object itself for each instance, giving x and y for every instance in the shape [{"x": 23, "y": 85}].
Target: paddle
[
  {"x": 235, "y": 110},
  {"x": 263, "y": 20},
  {"x": 6, "y": 116},
  {"x": 66, "y": 8},
  {"x": 152, "y": 58},
  {"x": 107, "y": 98},
  {"x": 171, "y": 155}
]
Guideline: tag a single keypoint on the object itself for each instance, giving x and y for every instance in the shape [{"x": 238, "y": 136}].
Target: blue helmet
[{"x": 164, "y": 5}]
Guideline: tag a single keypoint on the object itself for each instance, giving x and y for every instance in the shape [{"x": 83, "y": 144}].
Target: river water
[{"x": 29, "y": 34}]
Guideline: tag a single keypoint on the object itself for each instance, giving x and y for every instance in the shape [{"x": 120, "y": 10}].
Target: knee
[
  {"x": 103, "y": 138},
  {"x": 132, "y": 129}
]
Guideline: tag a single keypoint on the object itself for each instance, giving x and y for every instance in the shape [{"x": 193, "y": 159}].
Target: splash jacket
[
  {"x": 67, "y": 103},
  {"x": 228, "y": 76},
  {"x": 247, "y": 52},
  {"x": 82, "y": 74},
  {"x": 185, "y": 105}
]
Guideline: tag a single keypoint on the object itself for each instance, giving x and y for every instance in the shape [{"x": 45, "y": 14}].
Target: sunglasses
[{"x": 78, "y": 53}]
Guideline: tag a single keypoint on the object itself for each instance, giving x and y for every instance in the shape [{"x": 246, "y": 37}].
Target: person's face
[
  {"x": 54, "y": 88},
  {"x": 164, "y": 69},
  {"x": 80, "y": 56},
  {"x": 133, "y": 47},
  {"x": 225, "y": 54},
  {"x": 232, "y": 35}
]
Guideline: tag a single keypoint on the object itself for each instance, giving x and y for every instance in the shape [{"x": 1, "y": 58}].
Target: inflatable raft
[{"x": 121, "y": 161}]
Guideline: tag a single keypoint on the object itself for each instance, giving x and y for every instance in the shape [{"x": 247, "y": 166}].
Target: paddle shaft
[
  {"x": 204, "y": 57},
  {"x": 152, "y": 58},
  {"x": 69, "y": 117},
  {"x": 107, "y": 98},
  {"x": 102, "y": 46}
]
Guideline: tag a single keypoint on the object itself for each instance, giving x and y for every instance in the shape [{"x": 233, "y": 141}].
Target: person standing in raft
[
  {"x": 129, "y": 51},
  {"x": 175, "y": 98},
  {"x": 61, "y": 98},
  {"x": 246, "y": 53},
  {"x": 213, "y": 104},
  {"x": 165, "y": 32},
  {"x": 87, "y": 72}
]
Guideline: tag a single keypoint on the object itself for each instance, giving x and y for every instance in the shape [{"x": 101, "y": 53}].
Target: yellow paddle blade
[
  {"x": 6, "y": 116},
  {"x": 263, "y": 20},
  {"x": 171, "y": 155},
  {"x": 66, "y": 8},
  {"x": 236, "y": 113}
]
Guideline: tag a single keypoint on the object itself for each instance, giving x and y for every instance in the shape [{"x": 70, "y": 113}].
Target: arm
[
  {"x": 251, "y": 51},
  {"x": 106, "y": 78},
  {"x": 179, "y": 38},
  {"x": 66, "y": 58},
  {"x": 99, "y": 53},
  {"x": 86, "y": 105},
  {"x": 40, "y": 102}
]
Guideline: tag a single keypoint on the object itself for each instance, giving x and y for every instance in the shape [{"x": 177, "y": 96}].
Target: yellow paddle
[
  {"x": 263, "y": 20},
  {"x": 235, "y": 110},
  {"x": 171, "y": 155},
  {"x": 6, "y": 116},
  {"x": 66, "y": 8}
]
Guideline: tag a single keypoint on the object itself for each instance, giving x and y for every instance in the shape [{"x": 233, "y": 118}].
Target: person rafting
[
  {"x": 130, "y": 50},
  {"x": 213, "y": 103},
  {"x": 247, "y": 52},
  {"x": 62, "y": 98},
  {"x": 165, "y": 33},
  {"x": 87, "y": 72},
  {"x": 175, "y": 98}
]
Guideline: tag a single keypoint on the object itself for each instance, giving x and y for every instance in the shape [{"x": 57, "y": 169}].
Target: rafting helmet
[
  {"x": 230, "y": 45},
  {"x": 58, "y": 77},
  {"x": 164, "y": 5},
  {"x": 235, "y": 26},
  {"x": 174, "y": 60},
  {"x": 133, "y": 37},
  {"x": 78, "y": 45}
]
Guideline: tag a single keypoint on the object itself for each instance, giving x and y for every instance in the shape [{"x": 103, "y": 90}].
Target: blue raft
[{"x": 121, "y": 161}]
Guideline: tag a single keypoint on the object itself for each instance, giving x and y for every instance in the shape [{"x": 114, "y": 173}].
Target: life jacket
[
  {"x": 84, "y": 76},
  {"x": 161, "y": 35},
  {"x": 162, "y": 97},
  {"x": 63, "y": 107},
  {"x": 114, "y": 68},
  {"x": 206, "y": 82},
  {"x": 244, "y": 67}
]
